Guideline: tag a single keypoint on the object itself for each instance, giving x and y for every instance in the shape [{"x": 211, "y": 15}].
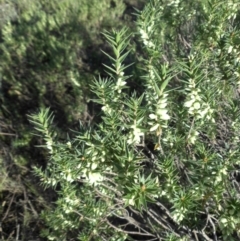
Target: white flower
[
  {"x": 69, "y": 144},
  {"x": 129, "y": 201},
  {"x": 120, "y": 82},
  {"x": 144, "y": 34},
  {"x": 178, "y": 216},
  {"x": 189, "y": 103},
  {"x": 151, "y": 44},
  {"x": 94, "y": 177},
  {"x": 230, "y": 49},
  {"x": 193, "y": 137},
  {"x": 164, "y": 97},
  {"x": 163, "y": 114},
  {"x": 69, "y": 178},
  {"x": 153, "y": 116},
  {"x": 150, "y": 27},
  {"x": 49, "y": 145},
  {"x": 135, "y": 136},
  {"x": 93, "y": 166},
  {"x": 154, "y": 127},
  {"x": 107, "y": 109},
  {"x": 203, "y": 112},
  {"x": 196, "y": 105},
  {"x": 152, "y": 75},
  {"x": 162, "y": 105}
]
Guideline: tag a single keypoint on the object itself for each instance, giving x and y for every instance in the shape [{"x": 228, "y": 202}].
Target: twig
[
  {"x": 161, "y": 223},
  {"x": 112, "y": 189},
  {"x": 130, "y": 220},
  {"x": 152, "y": 226},
  {"x": 204, "y": 235},
  {"x": 165, "y": 210},
  {"x": 101, "y": 195},
  {"x": 214, "y": 228},
  {"x": 129, "y": 232},
  {"x": 209, "y": 218},
  {"x": 9, "y": 206},
  {"x": 17, "y": 235},
  {"x": 195, "y": 235},
  {"x": 82, "y": 217},
  {"x": 30, "y": 204},
  {"x": 7, "y": 134}
]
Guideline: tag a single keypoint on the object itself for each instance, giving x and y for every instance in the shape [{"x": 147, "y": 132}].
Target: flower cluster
[
  {"x": 179, "y": 215},
  {"x": 120, "y": 83},
  {"x": 237, "y": 75},
  {"x": 136, "y": 135},
  {"x": 192, "y": 137},
  {"x": 151, "y": 94},
  {"x": 145, "y": 35},
  {"x": 173, "y": 3},
  {"x": 160, "y": 114},
  {"x": 107, "y": 109},
  {"x": 92, "y": 176},
  {"x": 196, "y": 106},
  {"x": 221, "y": 175}
]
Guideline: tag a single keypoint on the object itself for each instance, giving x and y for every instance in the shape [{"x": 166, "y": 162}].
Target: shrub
[
  {"x": 162, "y": 164},
  {"x": 47, "y": 50}
]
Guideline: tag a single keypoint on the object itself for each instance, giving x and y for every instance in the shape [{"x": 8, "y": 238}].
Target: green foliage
[
  {"x": 44, "y": 59},
  {"x": 161, "y": 164},
  {"x": 7, "y": 13},
  {"x": 42, "y": 54},
  {"x": 49, "y": 52}
]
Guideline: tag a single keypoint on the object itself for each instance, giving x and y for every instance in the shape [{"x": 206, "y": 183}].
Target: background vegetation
[{"x": 50, "y": 51}]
